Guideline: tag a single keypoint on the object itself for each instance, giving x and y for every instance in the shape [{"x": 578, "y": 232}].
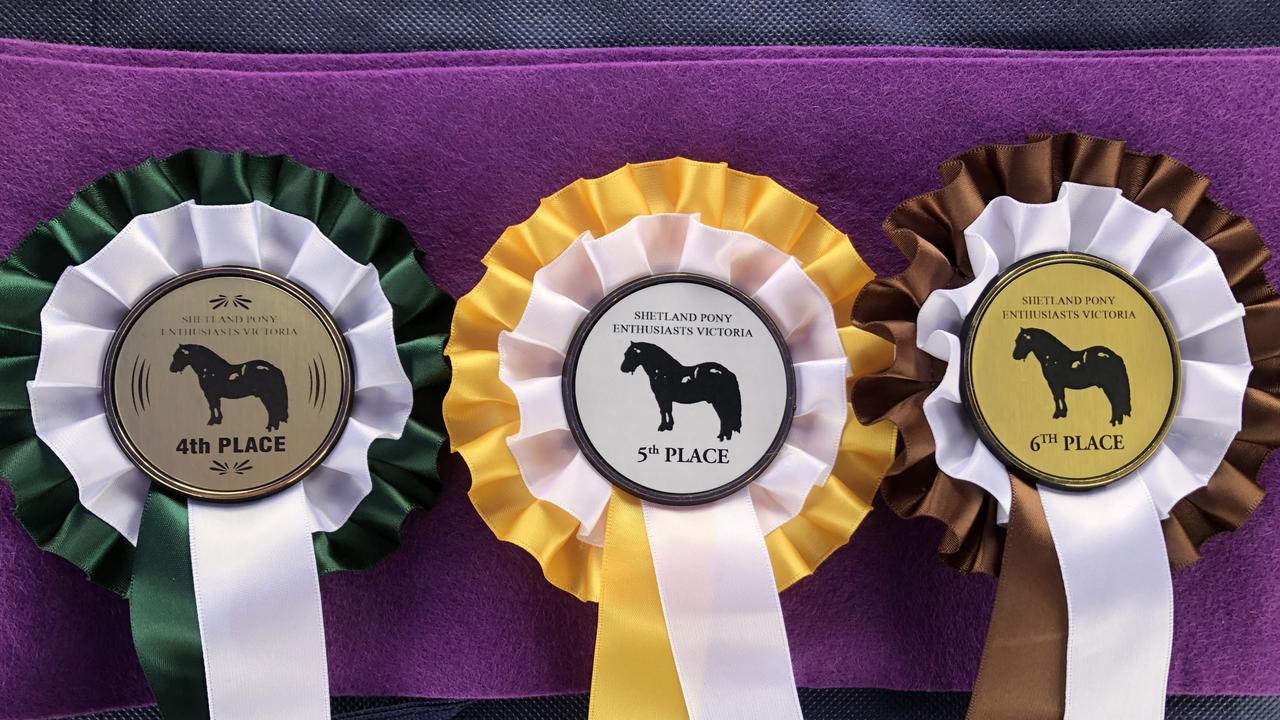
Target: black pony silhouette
[
  {"x": 672, "y": 382},
  {"x": 220, "y": 379},
  {"x": 1064, "y": 368}
]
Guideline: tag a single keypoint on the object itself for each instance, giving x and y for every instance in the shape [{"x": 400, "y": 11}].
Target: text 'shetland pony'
[
  {"x": 1064, "y": 368},
  {"x": 220, "y": 379},
  {"x": 672, "y": 382}
]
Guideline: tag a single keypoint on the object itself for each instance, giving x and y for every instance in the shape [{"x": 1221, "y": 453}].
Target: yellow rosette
[{"x": 635, "y": 673}]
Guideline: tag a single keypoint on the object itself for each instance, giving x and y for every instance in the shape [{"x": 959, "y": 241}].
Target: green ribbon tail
[{"x": 162, "y": 610}]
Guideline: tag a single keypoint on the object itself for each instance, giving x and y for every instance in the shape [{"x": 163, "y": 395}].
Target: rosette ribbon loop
[
  {"x": 1085, "y": 603},
  {"x": 690, "y": 621},
  {"x": 224, "y": 596}
]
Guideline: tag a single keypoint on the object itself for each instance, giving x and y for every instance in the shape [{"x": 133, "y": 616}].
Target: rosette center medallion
[
  {"x": 1071, "y": 370},
  {"x": 228, "y": 383},
  {"x": 679, "y": 388}
]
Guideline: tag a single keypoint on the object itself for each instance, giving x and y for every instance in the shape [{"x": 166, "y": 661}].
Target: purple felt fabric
[{"x": 459, "y": 146}]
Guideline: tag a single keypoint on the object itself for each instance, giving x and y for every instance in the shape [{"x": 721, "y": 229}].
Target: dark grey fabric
[
  {"x": 828, "y": 704},
  {"x": 399, "y": 25}
]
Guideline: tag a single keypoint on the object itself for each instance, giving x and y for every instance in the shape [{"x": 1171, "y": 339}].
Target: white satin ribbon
[
  {"x": 1119, "y": 600},
  {"x": 258, "y": 602},
  {"x": 1109, "y": 542},
  {"x": 724, "y": 618}
]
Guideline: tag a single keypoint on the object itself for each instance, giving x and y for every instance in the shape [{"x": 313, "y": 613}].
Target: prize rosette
[
  {"x": 651, "y": 390},
  {"x": 1084, "y": 381},
  {"x": 222, "y": 376}
]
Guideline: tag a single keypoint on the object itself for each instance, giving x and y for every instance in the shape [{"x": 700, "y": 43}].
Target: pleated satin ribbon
[
  {"x": 594, "y": 542},
  {"x": 1024, "y": 670},
  {"x": 224, "y": 599}
]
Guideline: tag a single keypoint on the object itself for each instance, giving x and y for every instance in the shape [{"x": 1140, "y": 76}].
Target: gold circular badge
[
  {"x": 1071, "y": 370},
  {"x": 227, "y": 383}
]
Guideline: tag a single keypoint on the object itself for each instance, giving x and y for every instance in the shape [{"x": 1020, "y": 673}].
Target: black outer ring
[
  {"x": 580, "y": 436},
  {"x": 966, "y": 386}
]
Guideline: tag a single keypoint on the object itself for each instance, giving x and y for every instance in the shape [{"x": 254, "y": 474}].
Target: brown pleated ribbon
[{"x": 1023, "y": 670}]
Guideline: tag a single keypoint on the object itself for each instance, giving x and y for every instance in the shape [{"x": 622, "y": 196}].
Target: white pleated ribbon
[
  {"x": 257, "y": 590},
  {"x": 1109, "y": 542},
  {"x": 712, "y": 566}
]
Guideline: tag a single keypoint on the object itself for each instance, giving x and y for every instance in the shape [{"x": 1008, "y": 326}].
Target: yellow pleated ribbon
[{"x": 634, "y": 674}]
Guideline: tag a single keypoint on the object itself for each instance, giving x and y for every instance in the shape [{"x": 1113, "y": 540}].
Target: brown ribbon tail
[{"x": 1023, "y": 672}]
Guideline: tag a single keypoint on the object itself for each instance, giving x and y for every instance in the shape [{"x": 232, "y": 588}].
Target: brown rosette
[{"x": 1028, "y": 627}]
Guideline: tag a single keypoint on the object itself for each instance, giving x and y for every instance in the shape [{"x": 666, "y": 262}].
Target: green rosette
[{"x": 156, "y": 576}]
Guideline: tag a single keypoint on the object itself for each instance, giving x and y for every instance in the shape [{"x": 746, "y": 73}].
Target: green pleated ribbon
[{"x": 156, "y": 575}]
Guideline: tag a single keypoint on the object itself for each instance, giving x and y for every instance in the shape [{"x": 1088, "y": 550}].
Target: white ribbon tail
[
  {"x": 723, "y": 615},
  {"x": 1119, "y": 600},
  {"x": 258, "y": 601}
]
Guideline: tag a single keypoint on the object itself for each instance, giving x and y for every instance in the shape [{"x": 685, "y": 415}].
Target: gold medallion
[
  {"x": 1071, "y": 370},
  {"x": 227, "y": 383}
]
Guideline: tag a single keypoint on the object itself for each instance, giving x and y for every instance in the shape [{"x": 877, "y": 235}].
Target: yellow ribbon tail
[{"x": 634, "y": 675}]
